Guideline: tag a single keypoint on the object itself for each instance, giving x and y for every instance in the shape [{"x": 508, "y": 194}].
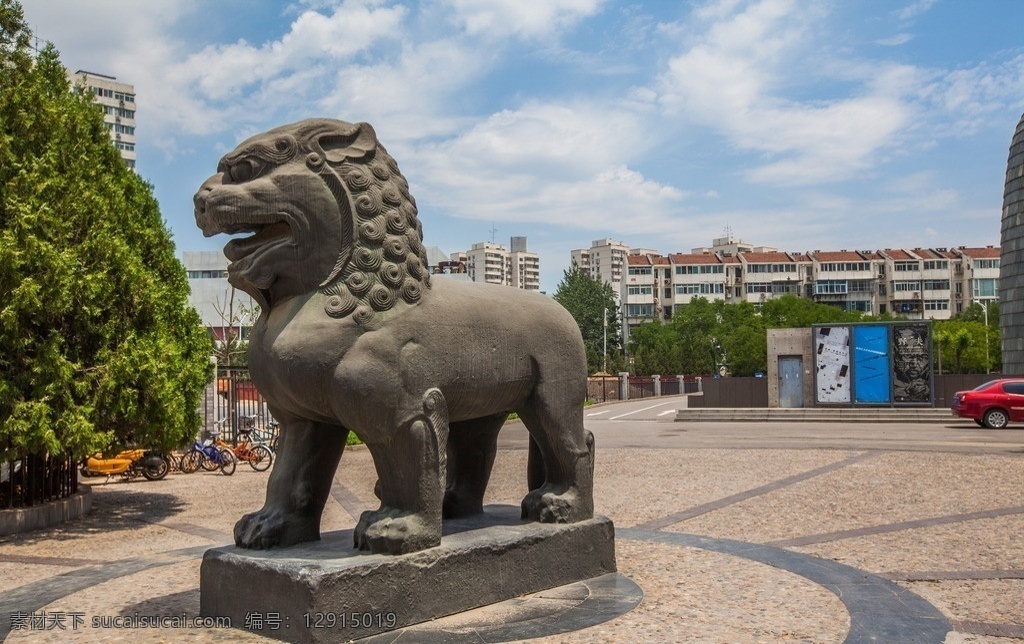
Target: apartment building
[
  {"x": 117, "y": 102},
  {"x": 523, "y": 266},
  {"x": 978, "y": 277},
  {"x": 493, "y": 263},
  {"x": 771, "y": 273},
  {"x": 847, "y": 279},
  {"x": 920, "y": 283},
  {"x": 604, "y": 260}
]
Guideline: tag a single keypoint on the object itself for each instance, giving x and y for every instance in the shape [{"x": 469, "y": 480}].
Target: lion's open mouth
[{"x": 262, "y": 236}]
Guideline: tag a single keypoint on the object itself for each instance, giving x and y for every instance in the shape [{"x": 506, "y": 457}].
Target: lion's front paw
[
  {"x": 547, "y": 506},
  {"x": 396, "y": 532},
  {"x": 269, "y": 528}
]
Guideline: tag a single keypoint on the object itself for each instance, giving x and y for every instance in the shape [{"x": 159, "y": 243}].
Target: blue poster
[{"x": 871, "y": 363}]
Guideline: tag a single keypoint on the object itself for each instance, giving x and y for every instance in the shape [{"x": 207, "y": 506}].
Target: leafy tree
[
  {"x": 965, "y": 345},
  {"x": 235, "y": 315},
  {"x": 704, "y": 336},
  {"x": 656, "y": 349},
  {"x": 97, "y": 343},
  {"x": 590, "y": 302}
]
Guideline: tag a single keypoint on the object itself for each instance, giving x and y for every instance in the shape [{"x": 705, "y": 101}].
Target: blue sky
[{"x": 799, "y": 124}]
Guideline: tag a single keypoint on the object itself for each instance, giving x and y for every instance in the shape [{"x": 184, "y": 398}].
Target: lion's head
[{"x": 328, "y": 210}]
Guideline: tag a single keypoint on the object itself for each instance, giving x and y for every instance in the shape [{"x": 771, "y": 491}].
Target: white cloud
[
  {"x": 314, "y": 41},
  {"x": 504, "y": 18},
  {"x": 895, "y": 41},
  {"x": 915, "y": 9},
  {"x": 735, "y": 78},
  {"x": 548, "y": 163}
]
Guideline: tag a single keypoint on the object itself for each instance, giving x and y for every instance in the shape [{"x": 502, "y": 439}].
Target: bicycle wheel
[
  {"x": 191, "y": 461},
  {"x": 156, "y": 470},
  {"x": 260, "y": 458},
  {"x": 209, "y": 464},
  {"x": 228, "y": 462}
]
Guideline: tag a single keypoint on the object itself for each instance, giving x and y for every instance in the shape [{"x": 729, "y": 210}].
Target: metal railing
[{"x": 34, "y": 479}]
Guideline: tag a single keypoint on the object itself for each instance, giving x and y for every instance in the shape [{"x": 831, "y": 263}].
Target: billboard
[
  {"x": 832, "y": 362},
  {"x": 873, "y": 363},
  {"x": 912, "y": 364}
]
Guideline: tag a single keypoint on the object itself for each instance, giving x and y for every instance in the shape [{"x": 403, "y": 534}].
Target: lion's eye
[{"x": 244, "y": 170}]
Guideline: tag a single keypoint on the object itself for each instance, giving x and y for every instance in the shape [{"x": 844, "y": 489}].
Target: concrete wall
[{"x": 790, "y": 342}]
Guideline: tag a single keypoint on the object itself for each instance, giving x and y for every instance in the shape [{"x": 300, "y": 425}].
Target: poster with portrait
[
  {"x": 832, "y": 363},
  {"x": 911, "y": 364}
]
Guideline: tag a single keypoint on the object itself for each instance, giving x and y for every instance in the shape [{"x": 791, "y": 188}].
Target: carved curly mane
[{"x": 385, "y": 263}]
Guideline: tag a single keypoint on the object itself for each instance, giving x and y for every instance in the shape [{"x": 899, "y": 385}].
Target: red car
[{"x": 993, "y": 404}]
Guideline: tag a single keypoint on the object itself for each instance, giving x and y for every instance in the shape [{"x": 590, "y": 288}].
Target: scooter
[{"x": 129, "y": 463}]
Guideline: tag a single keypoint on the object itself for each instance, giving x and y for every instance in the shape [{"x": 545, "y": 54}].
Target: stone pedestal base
[{"x": 327, "y": 592}]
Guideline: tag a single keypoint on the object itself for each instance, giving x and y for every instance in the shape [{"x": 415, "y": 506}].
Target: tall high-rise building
[
  {"x": 604, "y": 260},
  {"x": 117, "y": 102},
  {"x": 494, "y": 264}
]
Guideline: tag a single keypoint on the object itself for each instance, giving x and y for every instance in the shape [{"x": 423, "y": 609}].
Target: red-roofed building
[
  {"x": 922, "y": 283},
  {"x": 979, "y": 279}
]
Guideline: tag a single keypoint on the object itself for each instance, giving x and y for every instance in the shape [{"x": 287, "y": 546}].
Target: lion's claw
[
  {"x": 549, "y": 507},
  {"x": 395, "y": 532},
  {"x": 269, "y": 528}
]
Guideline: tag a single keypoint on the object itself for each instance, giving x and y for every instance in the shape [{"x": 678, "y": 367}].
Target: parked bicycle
[
  {"x": 208, "y": 456},
  {"x": 257, "y": 455}
]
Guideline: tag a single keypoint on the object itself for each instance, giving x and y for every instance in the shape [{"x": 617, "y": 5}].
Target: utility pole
[
  {"x": 604, "y": 366},
  {"x": 985, "y": 309}
]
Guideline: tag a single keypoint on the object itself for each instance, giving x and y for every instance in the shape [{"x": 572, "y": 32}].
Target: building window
[
  {"x": 985, "y": 287},
  {"x": 640, "y": 290},
  {"x": 833, "y": 267},
  {"x": 933, "y": 265},
  {"x": 831, "y": 287},
  {"x": 906, "y": 266},
  {"x": 639, "y": 270},
  {"x": 935, "y": 285},
  {"x": 986, "y": 263},
  {"x": 639, "y": 310},
  {"x": 759, "y": 287},
  {"x": 936, "y": 305},
  {"x": 906, "y": 286}
]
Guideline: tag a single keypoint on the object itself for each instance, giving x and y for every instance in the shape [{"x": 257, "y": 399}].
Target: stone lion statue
[{"x": 353, "y": 335}]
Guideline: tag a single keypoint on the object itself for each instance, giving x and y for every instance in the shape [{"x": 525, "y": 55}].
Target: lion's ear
[{"x": 354, "y": 143}]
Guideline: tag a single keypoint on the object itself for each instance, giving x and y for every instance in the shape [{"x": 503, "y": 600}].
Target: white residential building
[
  {"x": 493, "y": 263},
  {"x": 923, "y": 283},
  {"x": 117, "y": 101},
  {"x": 604, "y": 260}
]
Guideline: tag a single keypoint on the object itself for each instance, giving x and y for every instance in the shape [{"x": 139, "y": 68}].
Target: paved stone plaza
[{"x": 733, "y": 533}]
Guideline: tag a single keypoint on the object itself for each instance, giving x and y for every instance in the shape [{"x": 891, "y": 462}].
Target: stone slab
[{"x": 327, "y": 591}]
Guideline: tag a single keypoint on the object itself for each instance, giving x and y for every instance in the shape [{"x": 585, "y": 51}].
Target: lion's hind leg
[
  {"x": 561, "y": 462},
  {"x": 471, "y": 448},
  {"x": 411, "y": 471}
]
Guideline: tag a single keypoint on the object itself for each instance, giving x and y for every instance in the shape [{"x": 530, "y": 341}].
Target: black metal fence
[
  {"x": 232, "y": 400},
  {"x": 33, "y": 479}
]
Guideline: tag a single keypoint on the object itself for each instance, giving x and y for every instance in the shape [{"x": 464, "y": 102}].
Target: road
[{"x": 650, "y": 423}]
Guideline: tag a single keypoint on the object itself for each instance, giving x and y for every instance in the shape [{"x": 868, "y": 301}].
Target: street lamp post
[
  {"x": 985, "y": 309},
  {"x": 604, "y": 365}
]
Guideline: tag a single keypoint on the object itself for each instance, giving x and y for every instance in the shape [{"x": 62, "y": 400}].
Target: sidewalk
[{"x": 728, "y": 545}]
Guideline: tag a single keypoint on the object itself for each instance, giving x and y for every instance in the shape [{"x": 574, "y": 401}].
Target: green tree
[
  {"x": 656, "y": 349},
  {"x": 97, "y": 343},
  {"x": 590, "y": 302},
  {"x": 966, "y": 345}
]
